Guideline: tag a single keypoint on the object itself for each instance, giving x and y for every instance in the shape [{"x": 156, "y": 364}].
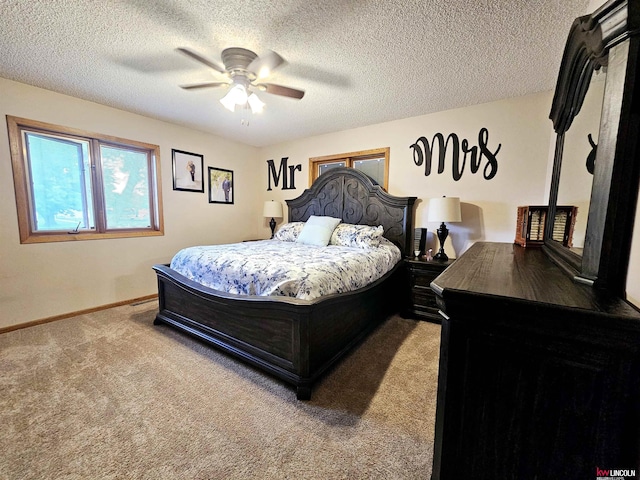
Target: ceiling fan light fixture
[
  {"x": 236, "y": 96},
  {"x": 239, "y": 94},
  {"x": 255, "y": 103},
  {"x": 228, "y": 103},
  {"x": 243, "y": 68}
]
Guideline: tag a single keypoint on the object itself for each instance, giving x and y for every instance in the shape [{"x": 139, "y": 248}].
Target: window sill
[{"x": 72, "y": 237}]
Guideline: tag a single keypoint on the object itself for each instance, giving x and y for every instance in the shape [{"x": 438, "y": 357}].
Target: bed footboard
[{"x": 294, "y": 340}]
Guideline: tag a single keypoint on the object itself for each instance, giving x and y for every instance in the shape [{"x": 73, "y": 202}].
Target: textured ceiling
[{"x": 360, "y": 62}]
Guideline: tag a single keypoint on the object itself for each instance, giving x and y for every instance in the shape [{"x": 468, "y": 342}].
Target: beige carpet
[{"x": 109, "y": 395}]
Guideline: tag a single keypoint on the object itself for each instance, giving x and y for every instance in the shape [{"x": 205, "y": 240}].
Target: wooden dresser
[{"x": 539, "y": 376}]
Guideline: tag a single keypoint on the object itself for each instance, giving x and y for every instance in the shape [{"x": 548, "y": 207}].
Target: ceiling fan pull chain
[{"x": 245, "y": 115}]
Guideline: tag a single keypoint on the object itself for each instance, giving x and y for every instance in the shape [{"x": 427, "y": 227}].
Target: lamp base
[
  {"x": 272, "y": 224},
  {"x": 441, "y": 256},
  {"x": 443, "y": 233}
]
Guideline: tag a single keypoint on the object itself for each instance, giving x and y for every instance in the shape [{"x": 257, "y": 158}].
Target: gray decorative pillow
[
  {"x": 357, "y": 236},
  {"x": 289, "y": 232}
]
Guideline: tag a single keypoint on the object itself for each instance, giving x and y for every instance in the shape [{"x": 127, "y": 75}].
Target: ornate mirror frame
[{"x": 607, "y": 38}]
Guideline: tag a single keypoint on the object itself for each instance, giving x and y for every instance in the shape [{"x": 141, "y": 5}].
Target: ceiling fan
[{"x": 244, "y": 69}]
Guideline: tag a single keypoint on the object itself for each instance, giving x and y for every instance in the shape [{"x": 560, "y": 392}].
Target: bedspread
[{"x": 277, "y": 268}]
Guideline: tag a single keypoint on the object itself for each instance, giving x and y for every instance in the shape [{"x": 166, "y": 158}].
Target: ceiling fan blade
[
  {"x": 281, "y": 90},
  {"x": 267, "y": 63},
  {"x": 201, "y": 59},
  {"x": 203, "y": 85}
]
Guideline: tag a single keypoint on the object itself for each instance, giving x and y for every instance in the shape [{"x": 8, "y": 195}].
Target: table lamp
[
  {"x": 274, "y": 210},
  {"x": 445, "y": 209}
]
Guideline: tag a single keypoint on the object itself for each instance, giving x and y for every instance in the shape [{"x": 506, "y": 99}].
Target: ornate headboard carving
[{"x": 351, "y": 195}]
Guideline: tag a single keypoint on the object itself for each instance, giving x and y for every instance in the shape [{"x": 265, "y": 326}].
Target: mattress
[{"x": 280, "y": 268}]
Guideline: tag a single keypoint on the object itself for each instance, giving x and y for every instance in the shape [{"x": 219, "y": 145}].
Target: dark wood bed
[{"x": 298, "y": 340}]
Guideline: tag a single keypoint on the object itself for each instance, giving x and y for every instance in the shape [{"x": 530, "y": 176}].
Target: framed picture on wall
[
  {"x": 188, "y": 171},
  {"x": 220, "y": 185}
]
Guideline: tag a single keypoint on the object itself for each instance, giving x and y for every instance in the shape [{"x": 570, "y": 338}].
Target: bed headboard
[{"x": 354, "y": 197}]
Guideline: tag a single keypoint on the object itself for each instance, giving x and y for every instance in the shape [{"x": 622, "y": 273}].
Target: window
[
  {"x": 374, "y": 163},
  {"x": 75, "y": 185}
]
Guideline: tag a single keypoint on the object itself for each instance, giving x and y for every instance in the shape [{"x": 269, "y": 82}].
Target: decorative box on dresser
[
  {"x": 532, "y": 220},
  {"x": 422, "y": 303}
]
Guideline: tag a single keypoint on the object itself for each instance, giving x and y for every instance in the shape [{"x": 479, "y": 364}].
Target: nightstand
[{"x": 421, "y": 273}]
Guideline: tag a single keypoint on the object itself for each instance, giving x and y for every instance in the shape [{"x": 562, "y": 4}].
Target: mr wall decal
[
  {"x": 288, "y": 183},
  {"x": 423, "y": 153}
]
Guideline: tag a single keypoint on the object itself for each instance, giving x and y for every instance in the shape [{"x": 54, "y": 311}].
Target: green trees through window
[
  {"x": 60, "y": 182},
  {"x": 125, "y": 176},
  {"x": 73, "y": 183}
]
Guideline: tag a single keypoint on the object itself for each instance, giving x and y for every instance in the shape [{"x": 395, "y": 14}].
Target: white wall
[
  {"x": 489, "y": 207},
  {"x": 594, "y": 5},
  {"x": 47, "y": 279}
]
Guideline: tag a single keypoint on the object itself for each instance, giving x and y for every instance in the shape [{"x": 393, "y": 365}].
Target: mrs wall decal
[
  {"x": 591, "y": 158},
  {"x": 423, "y": 154},
  {"x": 288, "y": 183}
]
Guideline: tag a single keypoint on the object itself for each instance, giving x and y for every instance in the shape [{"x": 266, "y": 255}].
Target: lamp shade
[
  {"x": 445, "y": 209},
  {"x": 272, "y": 209}
]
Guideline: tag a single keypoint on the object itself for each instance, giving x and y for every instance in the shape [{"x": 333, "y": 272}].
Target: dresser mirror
[
  {"x": 602, "y": 182},
  {"x": 578, "y": 163}
]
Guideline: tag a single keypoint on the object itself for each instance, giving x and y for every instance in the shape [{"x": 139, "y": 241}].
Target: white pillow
[{"x": 318, "y": 230}]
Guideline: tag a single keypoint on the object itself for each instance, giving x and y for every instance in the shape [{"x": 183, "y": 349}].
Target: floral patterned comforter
[{"x": 277, "y": 268}]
